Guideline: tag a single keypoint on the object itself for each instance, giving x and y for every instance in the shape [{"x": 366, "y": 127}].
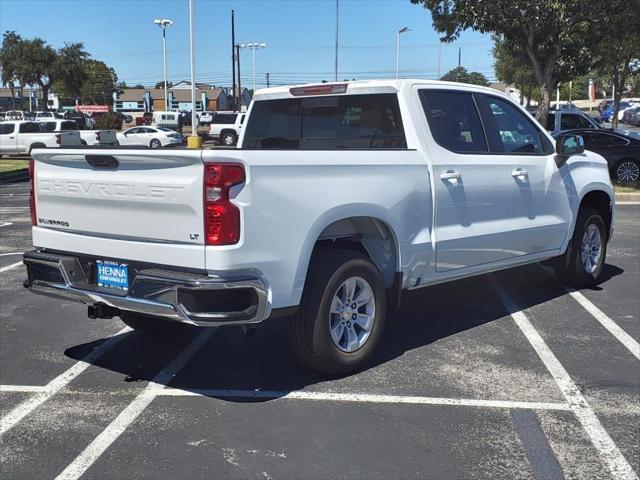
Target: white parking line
[
  {"x": 608, "y": 450},
  {"x": 10, "y": 267},
  {"x": 23, "y": 388},
  {"x": 613, "y": 328},
  {"x": 10, "y": 253},
  {"x": 109, "y": 435},
  {"x": 363, "y": 398},
  {"x": 11, "y": 419},
  {"x": 627, "y": 203},
  {"x": 5, "y": 224}
]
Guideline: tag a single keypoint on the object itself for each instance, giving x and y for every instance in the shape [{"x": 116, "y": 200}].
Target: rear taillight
[
  {"x": 32, "y": 191},
  {"x": 221, "y": 217},
  {"x": 97, "y": 136},
  {"x": 58, "y": 139}
]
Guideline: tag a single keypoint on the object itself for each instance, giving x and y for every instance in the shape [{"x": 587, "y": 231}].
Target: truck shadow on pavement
[{"x": 263, "y": 362}]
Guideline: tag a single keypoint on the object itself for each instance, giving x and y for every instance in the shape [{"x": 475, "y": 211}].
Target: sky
[{"x": 299, "y": 34}]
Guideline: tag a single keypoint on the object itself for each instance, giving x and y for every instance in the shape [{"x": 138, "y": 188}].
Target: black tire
[
  {"x": 229, "y": 139},
  {"x": 83, "y": 142},
  {"x": 569, "y": 267},
  {"x": 155, "y": 143},
  {"x": 627, "y": 171},
  {"x": 309, "y": 329},
  {"x": 148, "y": 324}
]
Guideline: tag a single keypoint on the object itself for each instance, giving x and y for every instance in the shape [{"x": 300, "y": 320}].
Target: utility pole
[
  {"x": 268, "y": 80},
  {"x": 439, "y": 58},
  {"x": 335, "y": 77},
  {"x": 239, "y": 82},
  {"x": 459, "y": 55},
  {"x": 234, "y": 102}
]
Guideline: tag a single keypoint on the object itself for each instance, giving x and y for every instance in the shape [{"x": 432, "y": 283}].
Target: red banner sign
[{"x": 92, "y": 108}]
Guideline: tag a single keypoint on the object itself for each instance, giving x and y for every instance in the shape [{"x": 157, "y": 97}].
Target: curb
[{"x": 627, "y": 196}]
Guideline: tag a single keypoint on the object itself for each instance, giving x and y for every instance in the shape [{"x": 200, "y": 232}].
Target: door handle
[
  {"x": 519, "y": 172},
  {"x": 450, "y": 175}
]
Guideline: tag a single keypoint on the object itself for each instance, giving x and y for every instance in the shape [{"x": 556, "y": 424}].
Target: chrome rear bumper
[{"x": 170, "y": 294}]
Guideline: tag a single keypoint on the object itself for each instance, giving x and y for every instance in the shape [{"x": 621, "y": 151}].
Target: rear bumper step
[{"x": 173, "y": 295}]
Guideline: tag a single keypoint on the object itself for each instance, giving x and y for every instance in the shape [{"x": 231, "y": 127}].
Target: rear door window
[
  {"x": 47, "y": 126},
  {"x": 454, "y": 121},
  {"x": 274, "y": 124},
  {"x": 224, "y": 118}
]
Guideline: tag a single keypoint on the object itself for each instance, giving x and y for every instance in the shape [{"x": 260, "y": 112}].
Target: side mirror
[{"x": 567, "y": 145}]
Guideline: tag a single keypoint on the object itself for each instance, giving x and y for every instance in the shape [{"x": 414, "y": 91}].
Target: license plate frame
[{"x": 114, "y": 275}]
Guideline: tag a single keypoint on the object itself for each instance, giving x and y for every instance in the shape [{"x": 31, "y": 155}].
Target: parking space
[{"x": 500, "y": 376}]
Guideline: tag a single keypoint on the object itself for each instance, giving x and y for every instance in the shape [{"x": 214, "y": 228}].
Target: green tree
[
  {"x": 161, "y": 84},
  {"x": 618, "y": 55},
  {"x": 100, "y": 83},
  {"x": 513, "y": 69},
  {"x": 9, "y": 62},
  {"x": 460, "y": 74},
  {"x": 557, "y": 36}
]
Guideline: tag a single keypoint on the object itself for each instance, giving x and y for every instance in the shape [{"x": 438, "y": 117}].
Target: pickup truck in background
[
  {"x": 87, "y": 137},
  {"x": 226, "y": 127},
  {"x": 20, "y": 137},
  {"x": 340, "y": 197}
]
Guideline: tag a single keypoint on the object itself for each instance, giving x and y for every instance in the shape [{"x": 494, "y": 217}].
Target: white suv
[{"x": 226, "y": 127}]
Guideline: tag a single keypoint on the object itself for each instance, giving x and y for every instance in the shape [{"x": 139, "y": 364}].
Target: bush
[{"x": 107, "y": 121}]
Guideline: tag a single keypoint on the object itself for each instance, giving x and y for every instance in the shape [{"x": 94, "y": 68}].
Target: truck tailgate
[{"x": 133, "y": 204}]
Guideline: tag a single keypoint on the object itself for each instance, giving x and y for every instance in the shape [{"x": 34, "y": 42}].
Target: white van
[{"x": 166, "y": 119}]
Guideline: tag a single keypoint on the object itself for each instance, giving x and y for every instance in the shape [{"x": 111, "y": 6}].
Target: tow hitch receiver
[{"x": 100, "y": 310}]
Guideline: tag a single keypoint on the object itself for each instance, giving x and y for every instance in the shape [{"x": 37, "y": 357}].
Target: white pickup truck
[
  {"x": 341, "y": 196},
  {"x": 87, "y": 137},
  {"x": 20, "y": 137}
]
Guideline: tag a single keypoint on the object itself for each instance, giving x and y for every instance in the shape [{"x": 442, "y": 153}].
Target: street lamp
[
  {"x": 253, "y": 47},
  {"x": 402, "y": 30},
  {"x": 163, "y": 23}
]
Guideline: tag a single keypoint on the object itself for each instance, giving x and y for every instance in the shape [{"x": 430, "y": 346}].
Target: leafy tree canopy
[{"x": 460, "y": 74}]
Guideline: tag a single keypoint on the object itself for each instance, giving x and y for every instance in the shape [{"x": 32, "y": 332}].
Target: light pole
[
  {"x": 402, "y": 30},
  {"x": 194, "y": 141},
  {"x": 253, "y": 47},
  {"x": 163, "y": 23}
]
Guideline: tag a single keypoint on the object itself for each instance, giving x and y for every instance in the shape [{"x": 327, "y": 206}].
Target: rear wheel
[
  {"x": 583, "y": 262},
  {"x": 628, "y": 171},
  {"x": 155, "y": 143},
  {"x": 229, "y": 139},
  {"x": 342, "y": 314}
]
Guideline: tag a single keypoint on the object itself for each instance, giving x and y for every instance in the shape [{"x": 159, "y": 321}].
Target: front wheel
[
  {"x": 155, "y": 143},
  {"x": 342, "y": 314},
  {"x": 628, "y": 171},
  {"x": 583, "y": 262}
]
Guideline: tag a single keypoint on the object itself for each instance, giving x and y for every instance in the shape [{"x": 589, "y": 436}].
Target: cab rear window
[{"x": 326, "y": 123}]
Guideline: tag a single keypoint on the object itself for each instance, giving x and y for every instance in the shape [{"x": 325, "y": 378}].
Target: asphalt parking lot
[{"x": 505, "y": 376}]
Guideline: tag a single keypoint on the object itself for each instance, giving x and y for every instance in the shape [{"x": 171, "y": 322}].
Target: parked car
[
  {"x": 41, "y": 116},
  {"x": 87, "y": 137},
  {"x": 226, "y": 127},
  {"x": 342, "y": 196},
  {"x": 622, "y": 152},
  {"x": 21, "y": 137},
  {"x": 608, "y": 113},
  {"x": 170, "y": 120},
  {"x": 82, "y": 119},
  {"x": 15, "y": 115},
  {"x": 633, "y": 118},
  {"x": 603, "y": 105},
  {"x": 145, "y": 119},
  {"x": 563, "y": 120},
  {"x": 154, "y": 137},
  {"x": 622, "y": 110}
]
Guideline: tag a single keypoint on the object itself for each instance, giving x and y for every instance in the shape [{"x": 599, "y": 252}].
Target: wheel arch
[
  {"x": 601, "y": 201},
  {"x": 366, "y": 228}
]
